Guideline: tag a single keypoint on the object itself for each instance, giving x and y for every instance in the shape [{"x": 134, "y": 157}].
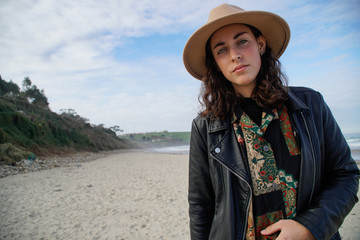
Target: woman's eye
[
  {"x": 221, "y": 51},
  {"x": 243, "y": 41}
]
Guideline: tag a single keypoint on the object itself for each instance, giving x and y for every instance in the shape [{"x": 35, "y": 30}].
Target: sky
[{"x": 119, "y": 62}]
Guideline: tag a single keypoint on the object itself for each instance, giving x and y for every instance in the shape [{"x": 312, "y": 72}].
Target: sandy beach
[{"x": 128, "y": 195}]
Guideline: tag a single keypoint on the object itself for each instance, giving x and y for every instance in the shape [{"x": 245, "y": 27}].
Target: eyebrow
[{"x": 235, "y": 37}]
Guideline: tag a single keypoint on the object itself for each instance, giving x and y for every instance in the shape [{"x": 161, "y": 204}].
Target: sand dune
[{"x": 129, "y": 195}]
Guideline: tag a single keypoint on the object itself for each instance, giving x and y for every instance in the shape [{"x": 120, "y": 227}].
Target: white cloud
[{"x": 66, "y": 47}]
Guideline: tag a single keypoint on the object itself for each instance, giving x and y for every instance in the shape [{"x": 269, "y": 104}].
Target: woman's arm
[
  {"x": 201, "y": 193},
  {"x": 340, "y": 176}
]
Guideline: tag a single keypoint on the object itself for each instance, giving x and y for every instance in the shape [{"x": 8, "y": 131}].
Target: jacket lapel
[{"x": 226, "y": 149}]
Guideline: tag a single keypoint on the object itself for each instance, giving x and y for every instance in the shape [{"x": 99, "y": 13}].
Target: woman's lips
[{"x": 240, "y": 68}]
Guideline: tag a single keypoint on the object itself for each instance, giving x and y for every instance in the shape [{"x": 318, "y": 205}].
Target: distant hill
[
  {"x": 156, "y": 139},
  {"x": 29, "y": 128}
]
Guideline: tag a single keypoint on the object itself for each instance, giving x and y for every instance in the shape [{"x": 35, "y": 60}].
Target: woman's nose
[{"x": 235, "y": 55}]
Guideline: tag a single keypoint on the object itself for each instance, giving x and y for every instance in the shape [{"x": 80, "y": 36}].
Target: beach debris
[{"x": 33, "y": 163}]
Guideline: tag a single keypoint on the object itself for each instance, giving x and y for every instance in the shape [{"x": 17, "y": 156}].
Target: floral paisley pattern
[
  {"x": 266, "y": 178},
  {"x": 263, "y": 170},
  {"x": 288, "y": 187},
  {"x": 286, "y": 128}
]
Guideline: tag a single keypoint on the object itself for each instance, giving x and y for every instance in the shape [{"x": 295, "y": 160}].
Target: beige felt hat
[{"x": 274, "y": 28}]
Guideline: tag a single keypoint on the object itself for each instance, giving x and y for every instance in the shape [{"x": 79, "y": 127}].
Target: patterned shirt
[{"x": 273, "y": 158}]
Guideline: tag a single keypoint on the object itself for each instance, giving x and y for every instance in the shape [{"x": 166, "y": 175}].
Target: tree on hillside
[
  {"x": 116, "y": 129},
  {"x": 71, "y": 113},
  {"x": 8, "y": 88},
  {"x": 33, "y": 94},
  {"x": 26, "y": 84}
]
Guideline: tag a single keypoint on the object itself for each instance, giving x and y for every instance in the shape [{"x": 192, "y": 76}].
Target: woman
[{"x": 266, "y": 161}]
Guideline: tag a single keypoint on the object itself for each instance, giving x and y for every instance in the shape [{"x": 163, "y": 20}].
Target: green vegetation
[
  {"x": 159, "y": 138},
  {"x": 28, "y": 127},
  {"x": 11, "y": 154}
]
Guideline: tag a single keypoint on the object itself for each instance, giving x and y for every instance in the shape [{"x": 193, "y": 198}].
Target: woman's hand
[{"x": 289, "y": 229}]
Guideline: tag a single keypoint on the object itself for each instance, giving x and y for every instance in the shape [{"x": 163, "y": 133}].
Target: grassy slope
[{"x": 25, "y": 128}]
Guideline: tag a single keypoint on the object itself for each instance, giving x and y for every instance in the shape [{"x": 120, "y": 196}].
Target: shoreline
[
  {"x": 44, "y": 163},
  {"x": 127, "y": 194}
]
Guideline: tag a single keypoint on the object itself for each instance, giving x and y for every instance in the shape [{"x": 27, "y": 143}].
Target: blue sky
[{"x": 120, "y": 62}]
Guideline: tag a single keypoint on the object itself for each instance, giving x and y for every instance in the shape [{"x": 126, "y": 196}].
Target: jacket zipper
[
  {"x": 248, "y": 204},
  {"x": 313, "y": 156}
]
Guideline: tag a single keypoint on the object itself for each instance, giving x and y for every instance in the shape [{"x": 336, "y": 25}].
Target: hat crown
[
  {"x": 222, "y": 11},
  {"x": 274, "y": 29}
]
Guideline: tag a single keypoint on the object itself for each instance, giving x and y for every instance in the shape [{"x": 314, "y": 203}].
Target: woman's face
[{"x": 237, "y": 54}]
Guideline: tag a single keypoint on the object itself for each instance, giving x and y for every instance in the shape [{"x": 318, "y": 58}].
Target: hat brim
[{"x": 274, "y": 29}]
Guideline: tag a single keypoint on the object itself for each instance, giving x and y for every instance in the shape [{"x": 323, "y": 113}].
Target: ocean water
[
  {"x": 182, "y": 149},
  {"x": 354, "y": 143}
]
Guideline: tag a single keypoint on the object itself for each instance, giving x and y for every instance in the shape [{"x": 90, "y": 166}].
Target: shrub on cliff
[{"x": 30, "y": 126}]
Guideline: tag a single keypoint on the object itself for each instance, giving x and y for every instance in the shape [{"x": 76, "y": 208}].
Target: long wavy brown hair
[{"x": 218, "y": 96}]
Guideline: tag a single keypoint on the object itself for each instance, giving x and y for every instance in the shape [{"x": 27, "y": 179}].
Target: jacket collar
[
  {"x": 294, "y": 102},
  {"x": 218, "y": 124}
]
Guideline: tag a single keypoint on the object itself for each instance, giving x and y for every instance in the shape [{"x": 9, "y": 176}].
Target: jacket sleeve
[
  {"x": 201, "y": 193},
  {"x": 339, "y": 180}
]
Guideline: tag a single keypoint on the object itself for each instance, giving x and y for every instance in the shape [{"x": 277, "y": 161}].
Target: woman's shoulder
[
  {"x": 305, "y": 93},
  {"x": 202, "y": 120},
  {"x": 210, "y": 124},
  {"x": 302, "y": 90},
  {"x": 304, "y": 97}
]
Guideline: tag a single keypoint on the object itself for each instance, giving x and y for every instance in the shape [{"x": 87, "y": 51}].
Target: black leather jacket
[{"x": 219, "y": 185}]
